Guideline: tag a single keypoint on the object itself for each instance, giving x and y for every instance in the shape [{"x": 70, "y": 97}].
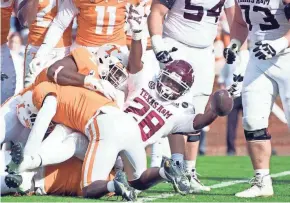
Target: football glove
[
  {"x": 267, "y": 49},
  {"x": 102, "y": 86},
  {"x": 236, "y": 88},
  {"x": 230, "y": 53},
  {"x": 137, "y": 19}
]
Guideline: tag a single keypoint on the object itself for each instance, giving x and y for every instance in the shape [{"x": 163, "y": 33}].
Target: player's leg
[
  {"x": 8, "y": 74},
  {"x": 10, "y": 127},
  {"x": 159, "y": 149},
  {"x": 30, "y": 52},
  {"x": 203, "y": 63},
  {"x": 258, "y": 95}
]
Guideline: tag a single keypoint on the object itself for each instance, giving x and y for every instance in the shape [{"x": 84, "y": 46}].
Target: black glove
[
  {"x": 230, "y": 55},
  {"x": 4, "y": 76},
  {"x": 164, "y": 56}
]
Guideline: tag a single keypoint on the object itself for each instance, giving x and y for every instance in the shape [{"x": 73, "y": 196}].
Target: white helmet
[
  {"x": 26, "y": 111},
  {"x": 112, "y": 64}
]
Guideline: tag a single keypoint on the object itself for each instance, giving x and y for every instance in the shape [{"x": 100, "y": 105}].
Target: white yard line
[
  {"x": 151, "y": 198},
  {"x": 219, "y": 185},
  {"x": 234, "y": 182}
]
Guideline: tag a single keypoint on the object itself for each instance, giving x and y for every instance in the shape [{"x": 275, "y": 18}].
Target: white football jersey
[
  {"x": 156, "y": 117},
  {"x": 194, "y": 22},
  {"x": 265, "y": 18}
]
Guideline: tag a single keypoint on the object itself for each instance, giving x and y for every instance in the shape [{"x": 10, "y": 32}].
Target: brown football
[{"x": 222, "y": 102}]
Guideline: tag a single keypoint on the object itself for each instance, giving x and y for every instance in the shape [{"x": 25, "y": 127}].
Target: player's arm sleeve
[
  {"x": 64, "y": 17},
  {"x": 43, "y": 119},
  {"x": 184, "y": 124},
  {"x": 138, "y": 80},
  {"x": 229, "y": 3}
]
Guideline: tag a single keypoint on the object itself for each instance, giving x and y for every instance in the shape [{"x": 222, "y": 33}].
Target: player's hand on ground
[
  {"x": 267, "y": 49},
  {"x": 36, "y": 64},
  {"x": 236, "y": 88},
  {"x": 137, "y": 18}
]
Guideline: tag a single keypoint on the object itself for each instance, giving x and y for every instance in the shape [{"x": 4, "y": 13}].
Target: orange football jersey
[
  {"x": 75, "y": 105},
  {"x": 6, "y": 11},
  {"x": 64, "y": 179},
  {"x": 47, "y": 10},
  {"x": 101, "y": 22}
]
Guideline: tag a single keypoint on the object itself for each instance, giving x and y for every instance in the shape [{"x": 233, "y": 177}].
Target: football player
[
  {"x": 46, "y": 11},
  {"x": 62, "y": 179},
  {"x": 188, "y": 32},
  {"x": 11, "y": 77},
  {"x": 267, "y": 75}
]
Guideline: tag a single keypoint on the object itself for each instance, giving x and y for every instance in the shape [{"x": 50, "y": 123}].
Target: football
[{"x": 222, "y": 102}]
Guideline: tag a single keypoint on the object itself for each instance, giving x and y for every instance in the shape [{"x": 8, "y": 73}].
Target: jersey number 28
[{"x": 152, "y": 121}]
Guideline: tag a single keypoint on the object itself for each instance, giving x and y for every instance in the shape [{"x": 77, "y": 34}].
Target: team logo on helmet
[{"x": 151, "y": 85}]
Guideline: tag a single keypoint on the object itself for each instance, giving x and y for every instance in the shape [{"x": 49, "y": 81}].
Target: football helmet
[
  {"x": 26, "y": 111},
  {"x": 112, "y": 64},
  {"x": 174, "y": 80}
]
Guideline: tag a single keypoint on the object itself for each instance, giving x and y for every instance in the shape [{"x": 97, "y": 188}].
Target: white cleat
[
  {"x": 261, "y": 187},
  {"x": 195, "y": 185}
]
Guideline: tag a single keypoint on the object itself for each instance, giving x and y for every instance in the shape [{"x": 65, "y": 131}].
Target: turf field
[{"x": 226, "y": 175}]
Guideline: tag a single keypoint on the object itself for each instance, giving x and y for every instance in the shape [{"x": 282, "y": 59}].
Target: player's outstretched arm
[
  {"x": 26, "y": 11},
  {"x": 137, "y": 20},
  {"x": 62, "y": 20}
]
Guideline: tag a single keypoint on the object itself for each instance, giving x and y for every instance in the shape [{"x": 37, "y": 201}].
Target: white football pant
[{"x": 263, "y": 81}]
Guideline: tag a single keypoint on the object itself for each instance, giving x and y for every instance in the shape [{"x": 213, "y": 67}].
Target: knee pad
[
  {"x": 257, "y": 135},
  {"x": 193, "y": 138},
  {"x": 252, "y": 123}
]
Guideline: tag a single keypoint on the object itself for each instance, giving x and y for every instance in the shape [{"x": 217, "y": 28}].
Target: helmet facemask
[
  {"x": 170, "y": 85},
  {"x": 117, "y": 75}
]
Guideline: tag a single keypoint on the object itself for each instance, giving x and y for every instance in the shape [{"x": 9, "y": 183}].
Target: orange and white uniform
[
  {"x": 99, "y": 22},
  {"x": 62, "y": 179},
  {"x": 10, "y": 130},
  {"x": 11, "y": 76},
  {"x": 47, "y": 10}
]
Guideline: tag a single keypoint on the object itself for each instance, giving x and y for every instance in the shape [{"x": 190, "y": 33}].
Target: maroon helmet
[{"x": 174, "y": 80}]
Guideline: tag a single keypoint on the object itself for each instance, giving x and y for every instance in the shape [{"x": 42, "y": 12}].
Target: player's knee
[
  {"x": 257, "y": 135},
  {"x": 252, "y": 123}
]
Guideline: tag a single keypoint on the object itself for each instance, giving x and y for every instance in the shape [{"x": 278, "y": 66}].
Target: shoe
[
  {"x": 122, "y": 187},
  {"x": 176, "y": 176},
  {"x": 23, "y": 182},
  {"x": 195, "y": 185},
  {"x": 16, "y": 158},
  {"x": 261, "y": 187}
]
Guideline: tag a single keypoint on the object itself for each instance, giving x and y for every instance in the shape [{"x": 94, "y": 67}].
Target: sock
[
  {"x": 190, "y": 165},
  {"x": 162, "y": 173},
  {"x": 177, "y": 158},
  {"x": 156, "y": 155},
  {"x": 30, "y": 162},
  {"x": 110, "y": 186},
  {"x": 262, "y": 172}
]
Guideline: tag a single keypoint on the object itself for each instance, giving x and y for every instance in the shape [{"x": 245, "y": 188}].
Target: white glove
[
  {"x": 267, "y": 49},
  {"x": 102, "y": 86},
  {"x": 37, "y": 65},
  {"x": 137, "y": 19}
]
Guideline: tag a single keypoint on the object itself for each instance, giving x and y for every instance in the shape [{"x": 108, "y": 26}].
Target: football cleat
[
  {"x": 13, "y": 180},
  {"x": 195, "y": 185},
  {"x": 16, "y": 158},
  {"x": 261, "y": 187},
  {"x": 122, "y": 187},
  {"x": 23, "y": 182},
  {"x": 176, "y": 176}
]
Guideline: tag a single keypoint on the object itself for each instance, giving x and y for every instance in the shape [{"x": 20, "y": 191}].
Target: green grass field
[{"x": 213, "y": 170}]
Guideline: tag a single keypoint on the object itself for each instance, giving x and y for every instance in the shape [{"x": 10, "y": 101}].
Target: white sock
[
  {"x": 262, "y": 172},
  {"x": 156, "y": 154},
  {"x": 110, "y": 186},
  {"x": 177, "y": 158},
  {"x": 162, "y": 173},
  {"x": 189, "y": 165},
  {"x": 30, "y": 162}
]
